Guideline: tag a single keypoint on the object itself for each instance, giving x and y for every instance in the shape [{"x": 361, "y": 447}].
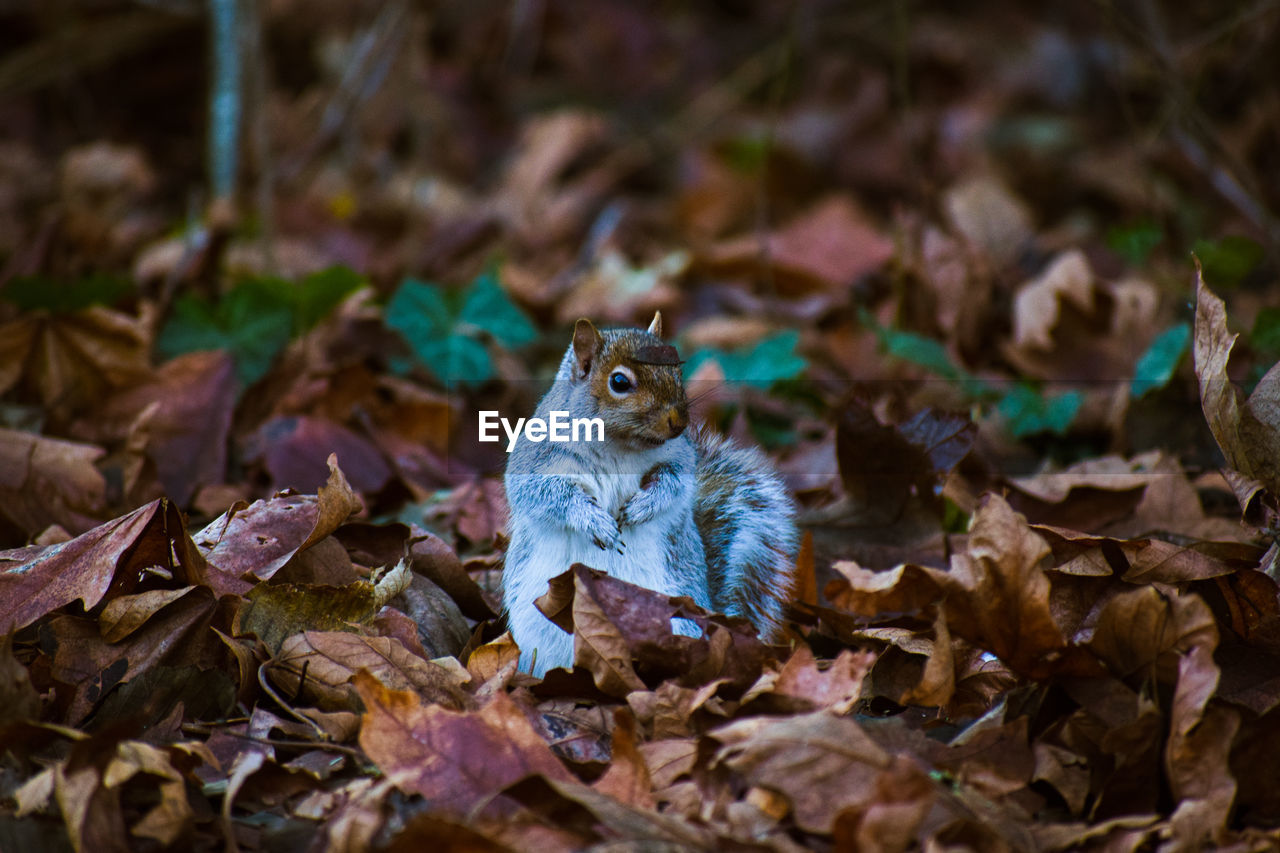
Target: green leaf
[
  {"x": 253, "y": 322},
  {"x": 923, "y": 352},
  {"x": 319, "y": 293},
  {"x": 38, "y": 292},
  {"x": 456, "y": 358},
  {"x": 1156, "y": 366},
  {"x": 1135, "y": 242},
  {"x": 1265, "y": 337},
  {"x": 487, "y": 306},
  {"x": 771, "y": 359},
  {"x": 1028, "y": 412},
  {"x": 442, "y": 328},
  {"x": 1226, "y": 262},
  {"x": 746, "y": 154},
  {"x": 417, "y": 311}
]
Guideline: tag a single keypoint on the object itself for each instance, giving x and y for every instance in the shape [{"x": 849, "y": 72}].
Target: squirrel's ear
[
  {"x": 655, "y": 328},
  {"x": 587, "y": 343}
]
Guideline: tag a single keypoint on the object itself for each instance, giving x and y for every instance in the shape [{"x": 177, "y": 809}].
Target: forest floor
[{"x": 998, "y": 293}]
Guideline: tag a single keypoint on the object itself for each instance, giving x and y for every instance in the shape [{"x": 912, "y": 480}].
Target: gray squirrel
[{"x": 682, "y": 512}]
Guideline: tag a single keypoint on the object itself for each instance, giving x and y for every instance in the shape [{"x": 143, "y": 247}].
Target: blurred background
[{"x": 915, "y": 250}]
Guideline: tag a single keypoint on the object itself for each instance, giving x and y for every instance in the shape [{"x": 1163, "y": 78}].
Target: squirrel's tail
[{"x": 747, "y": 523}]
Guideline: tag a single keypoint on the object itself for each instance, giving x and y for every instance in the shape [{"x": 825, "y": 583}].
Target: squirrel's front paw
[
  {"x": 639, "y": 509},
  {"x": 605, "y": 533}
]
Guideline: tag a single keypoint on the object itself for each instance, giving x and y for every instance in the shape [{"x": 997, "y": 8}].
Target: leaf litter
[{"x": 253, "y": 557}]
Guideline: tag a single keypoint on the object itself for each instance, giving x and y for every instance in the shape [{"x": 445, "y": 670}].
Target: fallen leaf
[
  {"x": 277, "y": 611},
  {"x": 1247, "y": 431},
  {"x": 827, "y": 248},
  {"x": 822, "y": 763},
  {"x": 456, "y": 759},
  {"x": 318, "y": 666},
  {"x": 627, "y": 779},
  {"x": 46, "y": 481},
  {"x": 259, "y": 540},
  {"x": 38, "y": 580},
  {"x": 185, "y": 434}
]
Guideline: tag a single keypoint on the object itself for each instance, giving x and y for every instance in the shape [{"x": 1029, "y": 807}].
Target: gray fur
[{"x": 695, "y": 516}]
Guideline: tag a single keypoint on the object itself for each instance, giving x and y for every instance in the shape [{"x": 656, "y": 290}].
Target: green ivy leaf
[
  {"x": 417, "y": 311},
  {"x": 1265, "y": 337},
  {"x": 923, "y": 352},
  {"x": 319, "y": 293},
  {"x": 487, "y": 306},
  {"x": 1226, "y": 262},
  {"x": 1135, "y": 243},
  {"x": 1028, "y": 411},
  {"x": 456, "y": 358},
  {"x": 443, "y": 328},
  {"x": 38, "y": 292},
  {"x": 773, "y": 358},
  {"x": 1156, "y": 366},
  {"x": 253, "y": 322}
]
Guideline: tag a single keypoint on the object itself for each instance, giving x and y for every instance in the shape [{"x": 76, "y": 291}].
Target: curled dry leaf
[
  {"x": 277, "y": 611},
  {"x": 999, "y": 593},
  {"x": 614, "y": 622},
  {"x": 802, "y": 685},
  {"x": 627, "y": 779},
  {"x": 185, "y": 434},
  {"x": 75, "y": 360},
  {"x": 1248, "y": 431},
  {"x": 117, "y": 555},
  {"x": 257, "y": 541}
]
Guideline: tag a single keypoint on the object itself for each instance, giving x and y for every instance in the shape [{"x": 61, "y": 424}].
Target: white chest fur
[{"x": 645, "y": 555}]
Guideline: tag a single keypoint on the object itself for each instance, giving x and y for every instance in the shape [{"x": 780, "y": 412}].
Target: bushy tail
[{"x": 747, "y": 522}]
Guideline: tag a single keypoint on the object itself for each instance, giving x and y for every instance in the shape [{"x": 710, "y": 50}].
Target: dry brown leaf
[
  {"x": 37, "y": 580},
  {"x": 937, "y": 682},
  {"x": 1197, "y": 752},
  {"x": 999, "y": 593},
  {"x": 18, "y": 698},
  {"x": 802, "y": 685},
  {"x": 74, "y": 360},
  {"x": 1035, "y": 306},
  {"x": 188, "y": 403},
  {"x": 827, "y": 248},
  {"x": 259, "y": 540},
  {"x": 1248, "y": 431},
  {"x": 1144, "y": 627},
  {"x": 627, "y": 779},
  {"x": 279, "y": 610},
  {"x": 125, "y": 614},
  {"x": 46, "y": 481},
  {"x": 173, "y": 815},
  {"x": 990, "y": 218},
  {"x": 822, "y": 763},
  {"x": 905, "y": 589},
  {"x": 329, "y": 660},
  {"x": 456, "y": 759}
]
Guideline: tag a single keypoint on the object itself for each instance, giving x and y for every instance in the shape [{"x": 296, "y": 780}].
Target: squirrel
[{"x": 679, "y": 511}]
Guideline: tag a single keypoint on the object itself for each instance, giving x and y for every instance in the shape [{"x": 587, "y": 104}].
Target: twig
[
  {"x": 224, "y": 99},
  {"x": 197, "y": 729}
]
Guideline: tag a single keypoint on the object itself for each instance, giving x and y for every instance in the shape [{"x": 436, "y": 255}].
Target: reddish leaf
[{"x": 456, "y": 759}]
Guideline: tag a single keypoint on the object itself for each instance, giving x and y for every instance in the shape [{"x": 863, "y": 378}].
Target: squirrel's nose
[{"x": 677, "y": 420}]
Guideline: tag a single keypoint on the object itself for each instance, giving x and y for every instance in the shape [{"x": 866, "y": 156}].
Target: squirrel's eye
[{"x": 619, "y": 382}]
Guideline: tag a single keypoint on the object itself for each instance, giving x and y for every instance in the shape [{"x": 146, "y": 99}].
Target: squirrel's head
[{"x": 631, "y": 380}]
